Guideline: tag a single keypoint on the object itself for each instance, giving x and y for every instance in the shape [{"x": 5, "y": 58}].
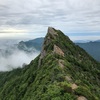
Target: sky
[{"x": 79, "y": 19}]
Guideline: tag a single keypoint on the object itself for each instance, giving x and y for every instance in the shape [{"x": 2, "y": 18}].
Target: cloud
[
  {"x": 11, "y": 57},
  {"x": 15, "y": 60},
  {"x": 67, "y": 15}
]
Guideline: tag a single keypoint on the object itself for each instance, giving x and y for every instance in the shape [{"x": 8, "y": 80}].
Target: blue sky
[{"x": 79, "y": 19}]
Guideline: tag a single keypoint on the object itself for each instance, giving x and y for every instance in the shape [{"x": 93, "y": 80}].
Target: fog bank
[{"x": 11, "y": 57}]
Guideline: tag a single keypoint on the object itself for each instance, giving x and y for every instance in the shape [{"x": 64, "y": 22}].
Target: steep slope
[{"x": 62, "y": 71}]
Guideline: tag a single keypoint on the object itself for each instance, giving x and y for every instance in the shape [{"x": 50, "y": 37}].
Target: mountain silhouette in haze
[
  {"x": 35, "y": 43},
  {"x": 62, "y": 71},
  {"x": 92, "y": 47}
]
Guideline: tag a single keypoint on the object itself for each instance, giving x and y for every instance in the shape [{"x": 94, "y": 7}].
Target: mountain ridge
[
  {"x": 62, "y": 71},
  {"x": 91, "y": 47}
]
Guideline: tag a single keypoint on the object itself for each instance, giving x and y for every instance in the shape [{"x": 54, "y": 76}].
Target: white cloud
[
  {"x": 15, "y": 60},
  {"x": 11, "y": 57}
]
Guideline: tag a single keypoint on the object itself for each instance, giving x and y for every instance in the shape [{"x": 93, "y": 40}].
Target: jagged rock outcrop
[
  {"x": 58, "y": 51},
  {"x": 51, "y": 34},
  {"x": 52, "y": 31}
]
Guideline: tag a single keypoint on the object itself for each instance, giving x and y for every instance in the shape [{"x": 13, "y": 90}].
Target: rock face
[
  {"x": 47, "y": 40},
  {"x": 61, "y": 63},
  {"x": 51, "y": 34},
  {"x": 74, "y": 86},
  {"x": 42, "y": 55},
  {"x": 52, "y": 31},
  {"x": 58, "y": 51},
  {"x": 82, "y": 98}
]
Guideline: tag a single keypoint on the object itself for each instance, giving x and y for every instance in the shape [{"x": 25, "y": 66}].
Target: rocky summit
[{"x": 62, "y": 71}]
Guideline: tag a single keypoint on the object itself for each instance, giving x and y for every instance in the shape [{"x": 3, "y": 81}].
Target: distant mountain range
[
  {"x": 93, "y": 48},
  {"x": 81, "y": 41},
  {"x": 33, "y": 44},
  {"x": 26, "y": 46}
]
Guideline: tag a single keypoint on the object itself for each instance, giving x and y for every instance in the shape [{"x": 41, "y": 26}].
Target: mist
[{"x": 11, "y": 57}]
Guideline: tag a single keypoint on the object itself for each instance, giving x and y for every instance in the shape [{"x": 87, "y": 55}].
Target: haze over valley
[{"x": 11, "y": 56}]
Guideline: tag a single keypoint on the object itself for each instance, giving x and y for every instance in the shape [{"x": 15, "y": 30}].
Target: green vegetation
[{"x": 53, "y": 79}]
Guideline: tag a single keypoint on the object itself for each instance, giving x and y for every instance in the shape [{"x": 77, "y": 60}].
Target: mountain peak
[
  {"x": 52, "y": 31},
  {"x": 69, "y": 61},
  {"x": 62, "y": 71},
  {"x": 50, "y": 44}
]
